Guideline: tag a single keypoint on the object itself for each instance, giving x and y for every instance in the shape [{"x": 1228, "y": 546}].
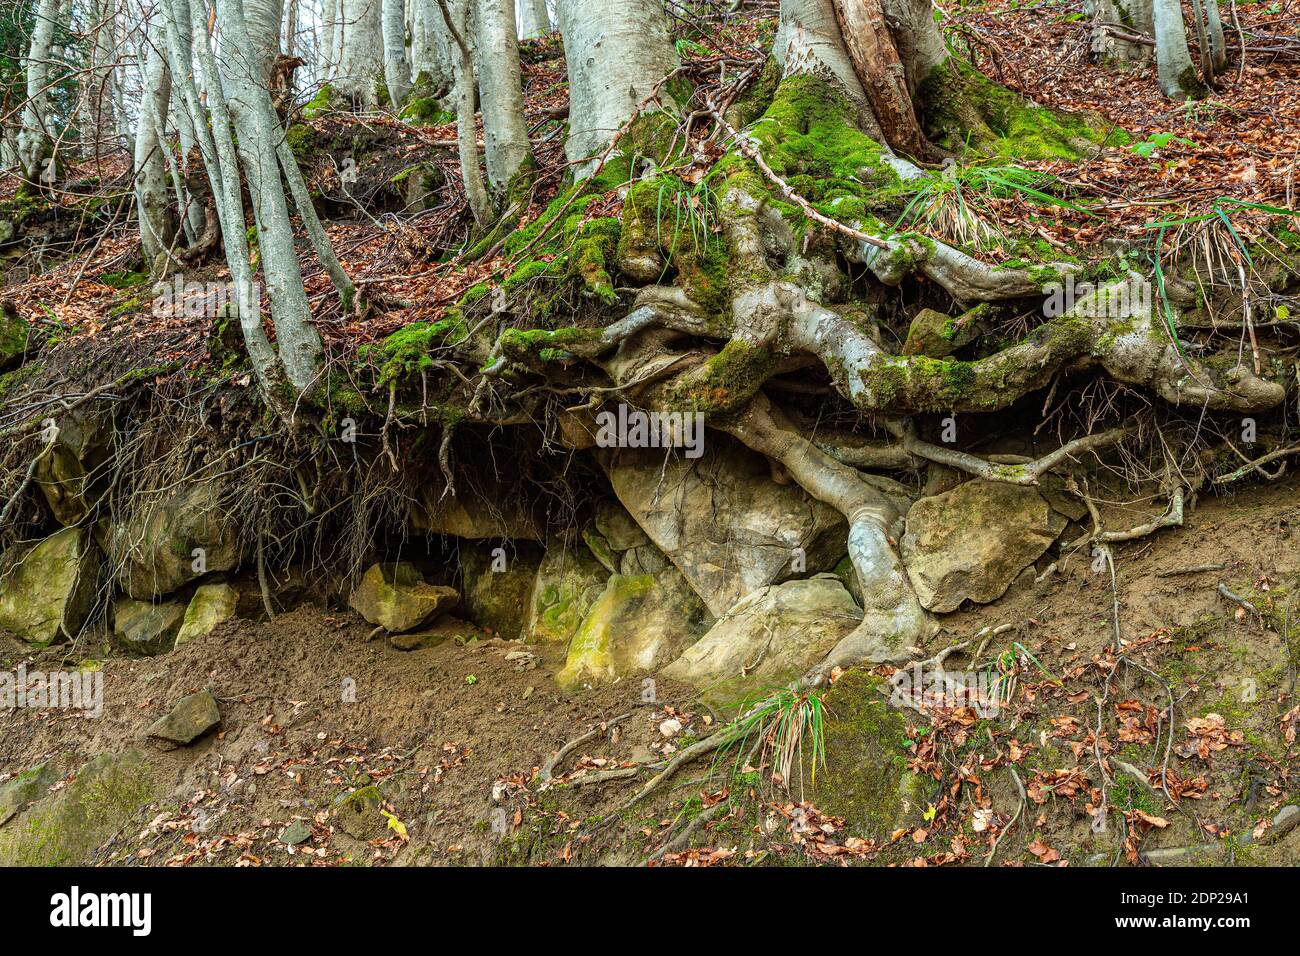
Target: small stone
[
  {"x": 190, "y": 719},
  {"x": 295, "y": 833},
  {"x": 670, "y": 727},
  {"x": 211, "y": 604}
]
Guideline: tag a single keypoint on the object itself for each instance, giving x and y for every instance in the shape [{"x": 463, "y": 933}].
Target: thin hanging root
[{"x": 548, "y": 768}]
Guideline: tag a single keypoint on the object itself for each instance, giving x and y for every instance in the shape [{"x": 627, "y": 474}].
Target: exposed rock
[
  {"x": 567, "y": 584},
  {"x": 64, "y": 827},
  {"x": 14, "y": 330},
  {"x": 397, "y": 598},
  {"x": 646, "y": 559},
  {"x": 496, "y": 584},
  {"x": 599, "y": 547},
  {"x": 864, "y": 779},
  {"x": 618, "y": 527},
  {"x": 190, "y": 719},
  {"x": 972, "y": 542},
  {"x": 472, "y": 515},
  {"x": 211, "y": 604},
  {"x": 722, "y": 520},
  {"x": 577, "y": 429},
  {"x": 358, "y": 813},
  {"x": 769, "y": 637},
  {"x": 47, "y": 592},
  {"x": 938, "y": 336},
  {"x": 295, "y": 833},
  {"x": 141, "y": 627},
  {"x": 72, "y": 475},
  {"x": 156, "y": 546},
  {"x": 28, "y": 787},
  {"x": 637, "y": 624}
]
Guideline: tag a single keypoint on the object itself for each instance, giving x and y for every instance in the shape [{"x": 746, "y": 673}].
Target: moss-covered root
[{"x": 964, "y": 109}]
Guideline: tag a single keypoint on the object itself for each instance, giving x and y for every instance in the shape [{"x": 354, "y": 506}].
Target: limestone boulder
[
  {"x": 47, "y": 592},
  {"x": 723, "y": 521},
  {"x": 397, "y": 598},
  {"x": 142, "y": 627},
  {"x": 636, "y": 625},
  {"x": 210, "y": 605},
  {"x": 970, "y": 543},
  {"x": 496, "y": 582},
  {"x": 770, "y": 637},
  {"x": 164, "y": 544},
  {"x": 567, "y": 584}
]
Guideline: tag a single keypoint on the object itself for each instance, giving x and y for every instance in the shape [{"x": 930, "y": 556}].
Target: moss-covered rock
[
  {"x": 65, "y": 827},
  {"x": 496, "y": 581},
  {"x": 568, "y": 582},
  {"x": 865, "y": 779},
  {"x": 47, "y": 592},
  {"x": 142, "y": 627},
  {"x": 358, "y": 813},
  {"x": 169, "y": 542},
  {"x": 396, "y": 597},
  {"x": 73, "y": 473},
  {"x": 637, "y": 624},
  {"x": 191, "y": 718},
  {"x": 28, "y": 787},
  {"x": 210, "y": 605},
  {"x": 15, "y": 335}
]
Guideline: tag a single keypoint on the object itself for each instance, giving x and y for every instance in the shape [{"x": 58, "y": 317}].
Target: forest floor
[{"x": 444, "y": 729}]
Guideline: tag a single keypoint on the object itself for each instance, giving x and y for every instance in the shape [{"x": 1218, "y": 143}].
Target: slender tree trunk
[
  {"x": 534, "y": 19},
  {"x": 455, "y": 14},
  {"x": 617, "y": 52},
  {"x": 397, "y": 69},
  {"x": 1174, "y": 69},
  {"x": 1214, "y": 26},
  {"x": 505, "y": 134},
  {"x": 299, "y": 344},
  {"x": 431, "y": 49},
  {"x": 361, "y": 57},
  {"x": 153, "y": 206},
  {"x": 217, "y": 145},
  {"x": 34, "y": 141}
]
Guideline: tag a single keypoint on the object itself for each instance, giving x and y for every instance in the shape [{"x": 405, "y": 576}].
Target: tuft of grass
[{"x": 786, "y": 726}]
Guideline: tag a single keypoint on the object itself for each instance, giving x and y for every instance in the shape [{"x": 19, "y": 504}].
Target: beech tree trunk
[
  {"x": 153, "y": 206},
  {"x": 361, "y": 56},
  {"x": 397, "y": 69},
  {"x": 35, "y": 141},
  {"x": 455, "y": 14},
  {"x": 534, "y": 19},
  {"x": 501, "y": 96},
  {"x": 617, "y": 52},
  {"x": 1174, "y": 69}
]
